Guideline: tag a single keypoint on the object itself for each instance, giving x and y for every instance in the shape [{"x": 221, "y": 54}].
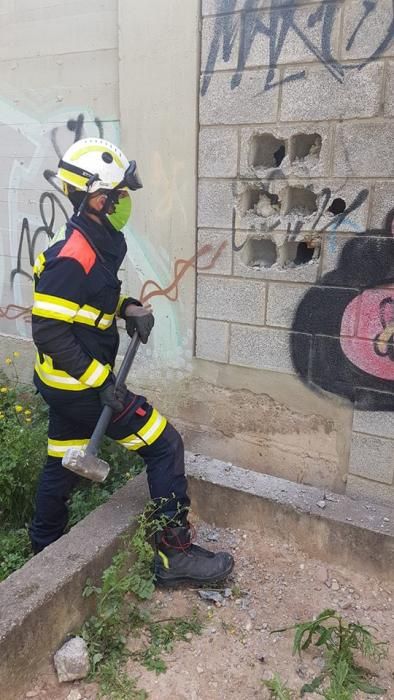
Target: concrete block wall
[{"x": 296, "y": 175}]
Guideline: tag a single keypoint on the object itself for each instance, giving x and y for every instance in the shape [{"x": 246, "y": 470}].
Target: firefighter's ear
[{"x": 97, "y": 201}]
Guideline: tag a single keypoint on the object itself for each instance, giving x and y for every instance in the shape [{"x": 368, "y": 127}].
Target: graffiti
[
  {"x": 324, "y": 207},
  {"x": 27, "y": 242},
  {"x": 12, "y": 312},
  {"x": 76, "y": 127},
  {"x": 180, "y": 268},
  {"x": 343, "y": 329},
  {"x": 276, "y": 26}
]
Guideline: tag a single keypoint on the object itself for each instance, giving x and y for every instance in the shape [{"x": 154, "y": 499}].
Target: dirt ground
[{"x": 279, "y": 586}]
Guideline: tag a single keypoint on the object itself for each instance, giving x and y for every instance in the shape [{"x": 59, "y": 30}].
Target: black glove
[
  {"x": 116, "y": 398},
  {"x": 142, "y": 323}
]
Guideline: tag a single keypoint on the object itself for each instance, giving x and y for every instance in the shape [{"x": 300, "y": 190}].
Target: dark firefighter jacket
[{"x": 76, "y": 300}]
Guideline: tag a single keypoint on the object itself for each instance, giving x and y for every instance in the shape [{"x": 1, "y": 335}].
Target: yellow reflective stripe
[
  {"x": 122, "y": 298},
  {"x": 95, "y": 374},
  {"x": 147, "y": 435},
  {"x": 50, "y": 306},
  {"x": 73, "y": 178},
  {"x": 164, "y": 559},
  {"x": 58, "y": 448},
  {"x": 39, "y": 264},
  {"x": 55, "y": 378},
  {"x": 94, "y": 148},
  {"x": 153, "y": 428},
  {"x": 89, "y": 314}
]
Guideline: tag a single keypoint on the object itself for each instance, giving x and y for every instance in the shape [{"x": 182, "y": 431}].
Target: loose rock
[
  {"x": 72, "y": 660},
  {"x": 74, "y": 695}
]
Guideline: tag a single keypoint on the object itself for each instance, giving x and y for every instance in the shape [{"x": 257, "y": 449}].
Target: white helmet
[{"x": 94, "y": 164}]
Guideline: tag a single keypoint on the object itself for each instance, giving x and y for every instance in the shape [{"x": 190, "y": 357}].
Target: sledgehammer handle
[{"x": 106, "y": 414}]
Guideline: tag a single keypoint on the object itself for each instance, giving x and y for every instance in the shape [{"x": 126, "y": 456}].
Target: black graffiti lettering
[
  {"x": 248, "y": 25},
  {"x": 49, "y": 203},
  {"x": 76, "y": 127},
  {"x": 368, "y": 7}
]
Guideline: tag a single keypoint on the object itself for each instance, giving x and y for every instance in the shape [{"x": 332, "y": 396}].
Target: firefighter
[{"x": 77, "y": 300}]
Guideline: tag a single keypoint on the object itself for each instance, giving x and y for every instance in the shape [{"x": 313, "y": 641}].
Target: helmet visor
[{"x": 131, "y": 178}]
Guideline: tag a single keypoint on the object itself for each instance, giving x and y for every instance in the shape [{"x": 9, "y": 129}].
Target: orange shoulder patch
[{"x": 78, "y": 248}]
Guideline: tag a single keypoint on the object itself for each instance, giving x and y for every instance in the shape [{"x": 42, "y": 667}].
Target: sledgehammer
[{"x": 85, "y": 461}]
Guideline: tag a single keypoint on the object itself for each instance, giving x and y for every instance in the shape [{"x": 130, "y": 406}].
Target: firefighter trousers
[{"x": 139, "y": 427}]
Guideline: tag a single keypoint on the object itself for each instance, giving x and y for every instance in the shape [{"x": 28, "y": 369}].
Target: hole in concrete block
[
  {"x": 268, "y": 204},
  {"x": 259, "y": 252},
  {"x": 300, "y": 201},
  {"x": 337, "y": 206},
  {"x": 266, "y": 151},
  {"x": 259, "y": 202},
  {"x": 299, "y": 253},
  {"x": 249, "y": 199},
  {"x": 304, "y": 145}
]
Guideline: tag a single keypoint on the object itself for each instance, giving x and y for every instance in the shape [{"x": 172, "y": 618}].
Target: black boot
[{"x": 177, "y": 560}]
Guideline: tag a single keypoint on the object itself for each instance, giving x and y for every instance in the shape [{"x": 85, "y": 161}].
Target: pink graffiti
[{"x": 367, "y": 332}]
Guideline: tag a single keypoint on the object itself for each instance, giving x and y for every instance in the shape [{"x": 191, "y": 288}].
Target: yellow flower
[
  {"x": 16, "y": 353},
  {"x": 1, "y": 416},
  {"x": 18, "y": 408},
  {"x": 28, "y": 420},
  {"x": 3, "y": 390},
  {"x": 27, "y": 412},
  {"x": 8, "y": 361}
]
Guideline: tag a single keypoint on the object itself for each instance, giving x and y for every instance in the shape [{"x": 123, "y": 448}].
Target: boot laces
[{"x": 180, "y": 546}]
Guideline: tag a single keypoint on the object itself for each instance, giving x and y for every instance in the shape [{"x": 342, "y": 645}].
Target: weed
[
  {"x": 163, "y": 637},
  {"x": 23, "y": 449},
  {"x": 15, "y": 550},
  {"x": 341, "y": 677},
  {"x": 279, "y": 690},
  {"x": 122, "y": 584}
]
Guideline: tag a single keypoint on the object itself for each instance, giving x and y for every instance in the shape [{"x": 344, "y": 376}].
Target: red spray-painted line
[{"x": 180, "y": 268}]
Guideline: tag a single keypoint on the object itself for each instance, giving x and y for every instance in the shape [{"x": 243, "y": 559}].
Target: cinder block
[
  {"x": 218, "y": 152},
  {"x": 379, "y": 423},
  {"x": 364, "y": 150},
  {"x": 314, "y": 162},
  {"x": 301, "y": 273},
  {"x": 220, "y": 246},
  {"x": 222, "y": 102},
  {"x": 376, "y": 403},
  {"x": 319, "y": 95},
  {"x": 214, "y": 7},
  {"x": 261, "y": 348},
  {"x": 357, "y": 260},
  {"x": 212, "y": 340},
  {"x": 372, "y": 491},
  {"x": 215, "y": 204},
  {"x": 365, "y": 30},
  {"x": 294, "y": 47},
  {"x": 372, "y": 458},
  {"x": 303, "y": 207},
  {"x": 220, "y": 42},
  {"x": 230, "y": 299},
  {"x": 382, "y": 202},
  {"x": 283, "y": 300},
  {"x": 389, "y": 91}
]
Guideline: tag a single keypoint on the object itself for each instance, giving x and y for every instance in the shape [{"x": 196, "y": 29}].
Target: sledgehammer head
[{"x": 87, "y": 465}]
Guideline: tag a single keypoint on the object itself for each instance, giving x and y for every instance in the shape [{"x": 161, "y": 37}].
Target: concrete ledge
[
  {"x": 42, "y": 602},
  {"x": 354, "y": 533}
]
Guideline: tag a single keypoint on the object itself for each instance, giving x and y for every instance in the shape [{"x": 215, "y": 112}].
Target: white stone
[
  {"x": 72, "y": 660},
  {"x": 74, "y": 695}
]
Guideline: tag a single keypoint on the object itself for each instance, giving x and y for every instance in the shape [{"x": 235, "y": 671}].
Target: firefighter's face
[{"x": 116, "y": 205}]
